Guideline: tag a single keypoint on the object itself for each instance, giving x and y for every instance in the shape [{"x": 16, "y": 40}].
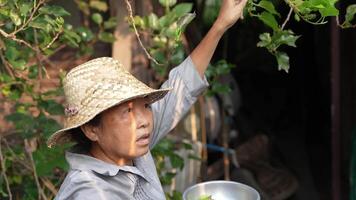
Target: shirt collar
[{"x": 77, "y": 159}]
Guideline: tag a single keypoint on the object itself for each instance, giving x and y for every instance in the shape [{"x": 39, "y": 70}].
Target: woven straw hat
[{"x": 95, "y": 86}]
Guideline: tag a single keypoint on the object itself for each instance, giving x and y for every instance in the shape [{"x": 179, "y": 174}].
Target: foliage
[
  {"x": 213, "y": 73},
  {"x": 310, "y": 11},
  {"x": 31, "y": 32},
  {"x": 166, "y": 48}
]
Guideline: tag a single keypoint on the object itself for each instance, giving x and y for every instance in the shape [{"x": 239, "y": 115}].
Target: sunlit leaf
[
  {"x": 267, "y": 5},
  {"x": 350, "y": 13},
  {"x": 15, "y": 18},
  {"x": 265, "y": 40},
  {"x": 167, "y": 3},
  {"x": 53, "y": 10},
  {"x": 269, "y": 20},
  {"x": 152, "y": 21},
  {"x": 283, "y": 61},
  {"x": 107, "y": 37},
  {"x": 285, "y": 37},
  {"x": 85, "y": 33},
  {"x": 97, "y": 18},
  {"x": 25, "y": 8},
  {"x": 111, "y": 23},
  {"x": 99, "y": 5},
  {"x": 182, "y": 9}
]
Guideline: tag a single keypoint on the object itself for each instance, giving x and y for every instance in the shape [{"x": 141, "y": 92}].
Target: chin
[{"x": 141, "y": 151}]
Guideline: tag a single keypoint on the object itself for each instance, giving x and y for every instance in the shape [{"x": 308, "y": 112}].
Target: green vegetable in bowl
[{"x": 205, "y": 197}]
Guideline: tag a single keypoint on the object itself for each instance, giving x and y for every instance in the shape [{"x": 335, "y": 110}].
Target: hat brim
[{"x": 63, "y": 135}]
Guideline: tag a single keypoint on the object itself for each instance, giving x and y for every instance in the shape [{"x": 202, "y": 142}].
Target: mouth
[{"x": 143, "y": 139}]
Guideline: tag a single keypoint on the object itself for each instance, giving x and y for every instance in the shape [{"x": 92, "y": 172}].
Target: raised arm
[{"x": 230, "y": 12}]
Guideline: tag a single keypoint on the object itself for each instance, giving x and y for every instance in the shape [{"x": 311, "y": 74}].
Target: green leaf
[
  {"x": 194, "y": 157},
  {"x": 39, "y": 23},
  {"x": 53, "y": 10},
  {"x": 267, "y": 5},
  {"x": 72, "y": 37},
  {"x": 83, "y": 6},
  {"x": 166, "y": 20},
  {"x": 33, "y": 72},
  {"x": 153, "y": 21},
  {"x": 350, "y": 13},
  {"x": 47, "y": 159},
  {"x": 138, "y": 21},
  {"x": 285, "y": 37},
  {"x": 111, "y": 23},
  {"x": 23, "y": 122},
  {"x": 97, "y": 18},
  {"x": 283, "y": 61},
  {"x": 107, "y": 37},
  {"x": 265, "y": 40},
  {"x": 85, "y": 33},
  {"x": 269, "y": 20},
  {"x": 329, "y": 11},
  {"x": 51, "y": 107},
  {"x": 167, "y": 3},
  {"x": 11, "y": 53},
  {"x": 176, "y": 161},
  {"x": 182, "y": 9},
  {"x": 15, "y": 18},
  {"x": 18, "y": 64},
  {"x": 99, "y": 5},
  {"x": 167, "y": 178},
  {"x": 182, "y": 23},
  {"x": 47, "y": 126},
  {"x": 25, "y": 8},
  {"x": 296, "y": 17}
]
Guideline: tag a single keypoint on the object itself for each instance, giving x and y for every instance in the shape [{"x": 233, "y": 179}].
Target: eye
[
  {"x": 148, "y": 106},
  {"x": 127, "y": 110}
]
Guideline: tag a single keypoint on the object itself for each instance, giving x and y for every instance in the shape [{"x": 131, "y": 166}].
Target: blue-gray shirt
[{"x": 90, "y": 178}]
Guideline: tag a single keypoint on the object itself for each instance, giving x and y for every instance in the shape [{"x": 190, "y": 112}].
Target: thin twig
[
  {"x": 287, "y": 19},
  {"x": 6, "y": 65},
  {"x": 39, "y": 62},
  {"x": 29, "y": 19},
  {"x": 129, "y": 9},
  {"x": 39, "y": 188},
  {"x": 3, "y": 172},
  {"x": 13, "y": 37},
  {"x": 53, "y": 40}
]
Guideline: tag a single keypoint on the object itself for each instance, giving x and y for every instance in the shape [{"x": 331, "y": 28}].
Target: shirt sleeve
[{"x": 187, "y": 85}]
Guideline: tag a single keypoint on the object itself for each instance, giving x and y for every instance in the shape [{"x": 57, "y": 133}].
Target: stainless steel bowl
[{"x": 221, "y": 190}]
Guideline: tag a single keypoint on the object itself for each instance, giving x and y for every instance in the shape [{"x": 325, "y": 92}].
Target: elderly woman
[{"x": 116, "y": 120}]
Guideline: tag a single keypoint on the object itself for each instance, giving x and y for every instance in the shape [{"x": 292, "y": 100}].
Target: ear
[{"x": 90, "y": 132}]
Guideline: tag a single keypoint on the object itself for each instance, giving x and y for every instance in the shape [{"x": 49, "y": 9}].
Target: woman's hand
[{"x": 230, "y": 12}]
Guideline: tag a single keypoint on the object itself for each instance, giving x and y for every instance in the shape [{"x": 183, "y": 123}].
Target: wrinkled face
[{"x": 124, "y": 131}]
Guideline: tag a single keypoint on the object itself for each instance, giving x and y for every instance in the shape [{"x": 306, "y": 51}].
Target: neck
[{"x": 97, "y": 152}]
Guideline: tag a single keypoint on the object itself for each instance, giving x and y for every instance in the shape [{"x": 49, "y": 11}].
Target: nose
[{"x": 142, "y": 118}]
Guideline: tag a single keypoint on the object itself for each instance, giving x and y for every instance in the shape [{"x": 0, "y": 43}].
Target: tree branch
[
  {"x": 287, "y": 19},
  {"x": 13, "y": 37},
  {"x": 131, "y": 19},
  {"x": 53, "y": 40},
  {"x": 29, "y": 19},
  {"x": 29, "y": 149},
  {"x": 6, "y": 65},
  {"x": 3, "y": 171}
]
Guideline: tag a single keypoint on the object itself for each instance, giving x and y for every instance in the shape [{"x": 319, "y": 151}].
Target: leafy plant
[
  {"x": 166, "y": 45},
  {"x": 311, "y": 11},
  {"x": 31, "y": 32}
]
